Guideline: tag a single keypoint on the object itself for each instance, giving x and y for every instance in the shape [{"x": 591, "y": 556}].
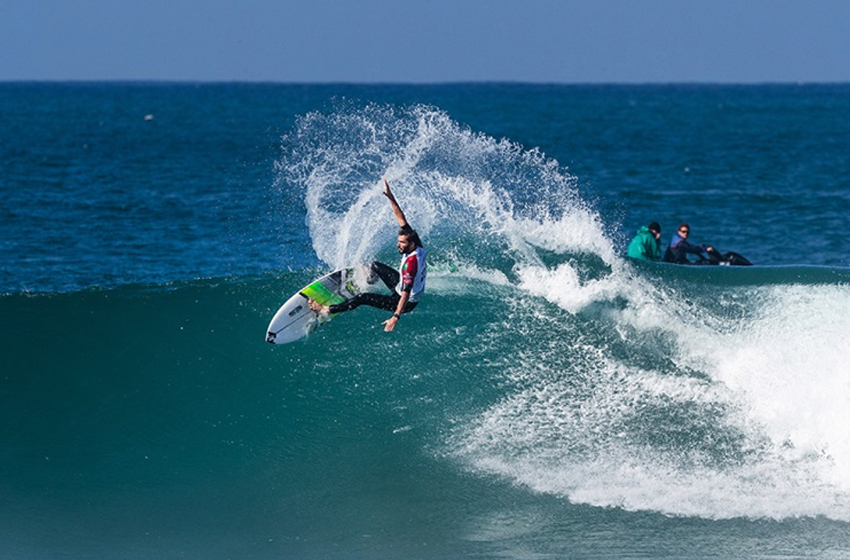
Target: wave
[
  {"x": 685, "y": 398},
  {"x": 538, "y": 356}
]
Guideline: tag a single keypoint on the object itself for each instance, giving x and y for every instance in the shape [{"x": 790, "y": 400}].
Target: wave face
[{"x": 545, "y": 392}]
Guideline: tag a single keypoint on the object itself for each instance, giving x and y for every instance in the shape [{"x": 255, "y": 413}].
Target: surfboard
[{"x": 295, "y": 320}]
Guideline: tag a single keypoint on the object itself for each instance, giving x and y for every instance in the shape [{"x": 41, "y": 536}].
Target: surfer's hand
[
  {"x": 389, "y": 324},
  {"x": 387, "y": 192},
  {"x": 317, "y": 308}
]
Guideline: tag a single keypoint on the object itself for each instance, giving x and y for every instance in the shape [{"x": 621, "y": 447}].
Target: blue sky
[{"x": 423, "y": 41}]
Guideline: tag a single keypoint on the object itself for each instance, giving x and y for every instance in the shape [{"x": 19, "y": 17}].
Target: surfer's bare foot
[{"x": 317, "y": 308}]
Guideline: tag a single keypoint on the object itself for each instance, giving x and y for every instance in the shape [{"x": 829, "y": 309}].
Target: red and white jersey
[{"x": 413, "y": 270}]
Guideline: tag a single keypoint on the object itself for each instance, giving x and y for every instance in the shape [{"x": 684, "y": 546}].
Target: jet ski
[{"x": 717, "y": 258}]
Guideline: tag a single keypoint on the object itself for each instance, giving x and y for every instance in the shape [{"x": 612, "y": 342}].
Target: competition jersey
[{"x": 413, "y": 270}]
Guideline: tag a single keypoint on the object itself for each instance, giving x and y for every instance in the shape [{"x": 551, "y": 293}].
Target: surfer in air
[{"x": 407, "y": 284}]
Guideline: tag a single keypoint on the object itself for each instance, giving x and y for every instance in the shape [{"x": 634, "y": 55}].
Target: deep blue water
[
  {"x": 548, "y": 398},
  {"x": 94, "y": 194}
]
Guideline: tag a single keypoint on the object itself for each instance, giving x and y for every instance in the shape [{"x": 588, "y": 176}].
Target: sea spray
[{"x": 460, "y": 189}]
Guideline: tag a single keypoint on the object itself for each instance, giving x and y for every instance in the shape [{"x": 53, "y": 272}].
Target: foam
[
  {"x": 791, "y": 363},
  {"x": 760, "y": 432},
  {"x": 564, "y": 287}
]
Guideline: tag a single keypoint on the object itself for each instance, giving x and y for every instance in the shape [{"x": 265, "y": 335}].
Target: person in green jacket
[{"x": 646, "y": 245}]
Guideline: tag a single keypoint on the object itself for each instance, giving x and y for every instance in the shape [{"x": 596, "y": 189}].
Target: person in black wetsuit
[
  {"x": 679, "y": 247},
  {"x": 407, "y": 284}
]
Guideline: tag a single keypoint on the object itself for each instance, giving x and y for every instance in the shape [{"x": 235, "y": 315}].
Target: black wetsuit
[
  {"x": 390, "y": 277},
  {"x": 677, "y": 251}
]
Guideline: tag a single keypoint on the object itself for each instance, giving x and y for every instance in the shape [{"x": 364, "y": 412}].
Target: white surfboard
[{"x": 295, "y": 320}]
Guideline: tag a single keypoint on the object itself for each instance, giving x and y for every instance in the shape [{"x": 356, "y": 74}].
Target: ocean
[{"x": 548, "y": 398}]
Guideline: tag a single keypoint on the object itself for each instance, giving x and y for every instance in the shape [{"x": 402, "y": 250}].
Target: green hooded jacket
[{"x": 644, "y": 246}]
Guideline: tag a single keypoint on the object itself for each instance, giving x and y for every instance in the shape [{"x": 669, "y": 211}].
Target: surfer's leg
[
  {"x": 388, "y": 303},
  {"x": 388, "y": 275}
]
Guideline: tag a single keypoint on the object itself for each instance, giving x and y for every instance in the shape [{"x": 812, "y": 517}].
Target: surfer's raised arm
[
  {"x": 407, "y": 283},
  {"x": 399, "y": 215}
]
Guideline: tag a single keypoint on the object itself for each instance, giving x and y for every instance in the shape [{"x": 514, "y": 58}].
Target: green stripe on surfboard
[{"x": 321, "y": 294}]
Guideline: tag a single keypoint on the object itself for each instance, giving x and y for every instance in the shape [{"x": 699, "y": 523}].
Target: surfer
[
  {"x": 407, "y": 284},
  {"x": 646, "y": 244},
  {"x": 679, "y": 247}
]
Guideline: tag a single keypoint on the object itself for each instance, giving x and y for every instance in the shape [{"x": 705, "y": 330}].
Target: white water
[{"x": 748, "y": 418}]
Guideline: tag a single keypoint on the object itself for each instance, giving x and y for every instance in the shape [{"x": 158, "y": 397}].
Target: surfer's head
[{"x": 408, "y": 240}]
